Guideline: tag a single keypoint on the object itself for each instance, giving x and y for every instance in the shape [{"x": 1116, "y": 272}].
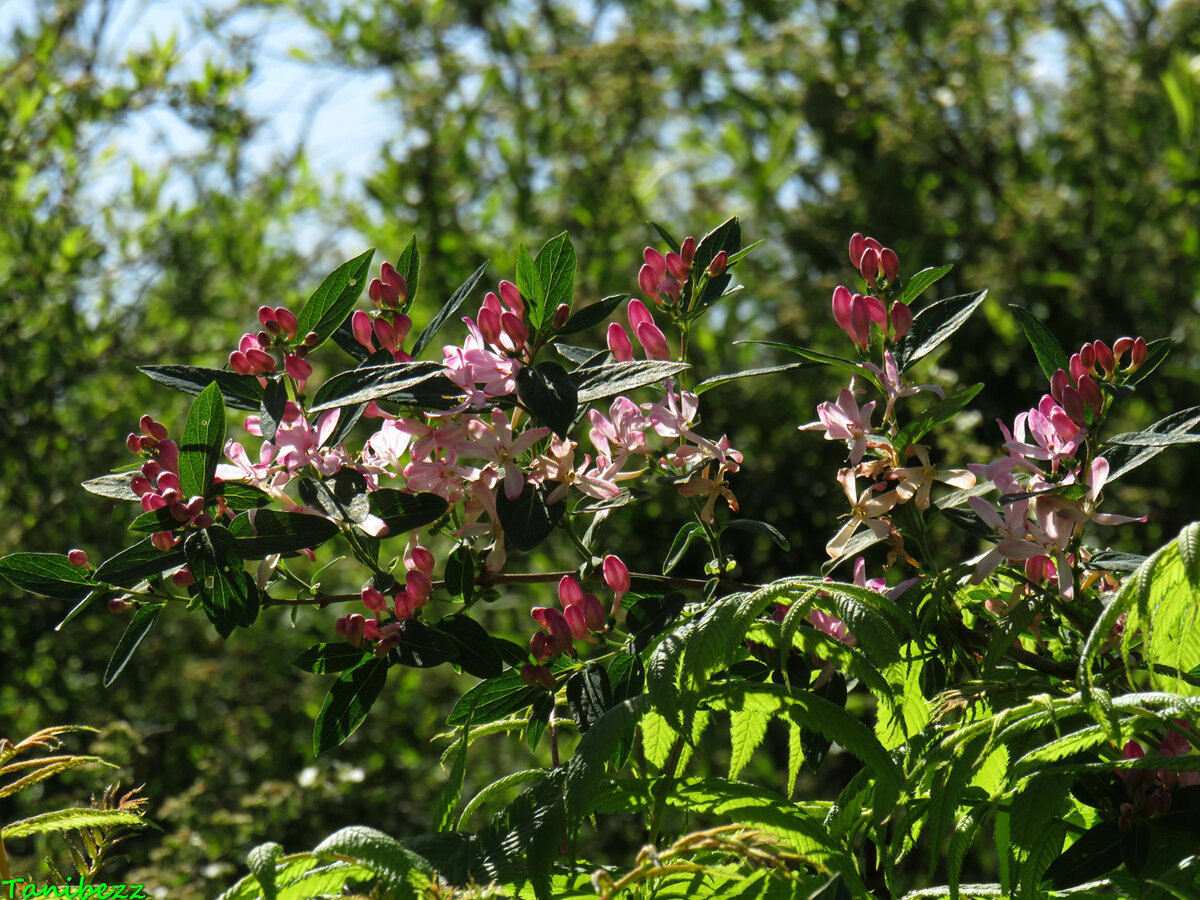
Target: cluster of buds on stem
[
  {"x": 158, "y": 485},
  {"x": 662, "y": 278},
  {"x": 879, "y": 265},
  {"x": 280, "y": 330},
  {"x": 855, "y": 313},
  {"x": 501, "y": 320},
  {"x": 649, "y": 335},
  {"x": 388, "y": 326},
  {"x": 389, "y": 290}
]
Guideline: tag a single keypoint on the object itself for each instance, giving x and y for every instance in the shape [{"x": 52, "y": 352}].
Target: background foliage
[{"x": 1048, "y": 149}]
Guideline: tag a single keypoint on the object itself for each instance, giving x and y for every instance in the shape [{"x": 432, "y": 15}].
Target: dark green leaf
[
  {"x": 1049, "y": 352},
  {"x": 403, "y": 512},
  {"x": 1114, "y": 561},
  {"x": 422, "y": 647},
  {"x": 475, "y": 653},
  {"x": 48, "y": 574},
  {"x": 539, "y": 718},
  {"x": 580, "y": 356},
  {"x": 375, "y": 382},
  {"x": 728, "y": 237},
  {"x": 813, "y": 744},
  {"x": 226, "y": 593},
  {"x": 408, "y": 266},
  {"x": 756, "y": 527},
  {"x": 589, "y": 695},
  {"x": 270, "y": 415},
  {"x": 115, "y": 486},
  {"x": 263, "y": 532},
  {"x": 967, "y": 521},
  {"x": 1124, "y": 459},
  {"x": 137, "y": 629},
  {"x": 687, "y": 533},
  {"x": 135, "y": 563},
  {"x": 938, "y": 414},
  {"x": 609, "y": 379},
  {"x": 343, "y": 497},
  {"x": 443, "y": 816},
  {"x": 239, "y": 497},
  {"x": 556, "y": 274},
  {"x": 1147, "y": 439},
  {"x": 333, "y": 301},
  {"x": 327, "y": 659},
  {"x": 1156, "y": 352},
  {"x": 934, "y": 324},
  {"x": 203, "y": 438},
  {"x": 494, "y": 699},
  {"x": 527, "y": 520},
  {"x": 529, "y": 284},
  {"x": 155, "y": 520},
  {"x": 627, "y": 676},
  {"x": 922, "y": 281},
  {"x": 592, "y": 315},
  {"x": 650, "y": 615},
  {"x": 718, "y": 380},
  {"x": 1095, "y": 853},
  {"x": 449, "y": 308},
  {"x": 1135, "y": 847},
  {"x": 666, "y": 236},
  {"x": 460, "y": 573},
  {"x": 825, "y": 359},
  {"x": 347, "y": 703},
  {"x": 239, "y": 391},
  {"x": 550, "y": 394}
]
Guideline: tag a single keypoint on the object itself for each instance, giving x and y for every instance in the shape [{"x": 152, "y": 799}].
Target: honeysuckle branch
[{"x": 485, "y": 581}]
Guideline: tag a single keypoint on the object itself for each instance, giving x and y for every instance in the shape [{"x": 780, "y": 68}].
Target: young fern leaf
[{"x": 747, "y": 729}]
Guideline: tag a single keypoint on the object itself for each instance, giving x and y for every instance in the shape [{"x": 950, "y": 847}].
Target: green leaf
[
  {"x": 443, "y": 816},
  {"x": 529, "y": 284},
  {"x": 1049, "y": 352},
  {"x": 760, "y": 528},
  {"x": 344, "y": 497},
  {"x": 367, "y": 383},
  {"x": 825, "y": 359},
  {"x": 539, "y": 720},
  {"x": 938, "y": 414},
  {"x": 155, "y": 520},
  {"x": 747, "y": 730},
  {"x": 229, "y": 596},
  {"x": 1156, "y": 352},
  {"x": 589, "y": 696},
  {"x": 460, "y": 573},
  {"x": 135, "y": 563},
  {"x": 494, "y": 699},
  {"x": 934, "y": 324},
  {"x": 333, "y": 301},
  {"x": 203, "y": 438},
  {"x": 921, "y": 282},
  {"x": 718, "y": 380},
  {"x": 239, "y": 497},
  {"x": 262, "y": 532},
  {"x": 270, "y": 414},
  {"x": 48, "y": 574},
  {"x": 1141, "y": 439},
  {"x": 239, "y": 391},
  {"x": 408, "y": 266},
  {"x": 70, "y": 820},
  {"x": 48, "y": 767},
  {"x": 449, "y": 308},
  {"x": 347, "y": 703},
  {"x": 114, "y": 486},
  {"x": 497, "y": 786},
  {"x": 261, "y": 862},
  {"x": 609, "y": 379},
  {"x": 591, "y": 315},
  {"x": 403, "y": 512},
  {"x": 138, "y": 628},
  {"x": 556, "y": 275},
  {"x": 548, "y": 392},
  {"x": 687, "y": 533},
  {"x": 728, "y": 237},
  {"x": 328, "y": 659},
  {"x": 595, "y": 749},
  {"x": 400, "y": 871},
  {"x": 1124, "y": 459},
  {"x": 666, "y": 236},
  {"x": 527, "y": 520},
  {"x": 475, "y": 652}
]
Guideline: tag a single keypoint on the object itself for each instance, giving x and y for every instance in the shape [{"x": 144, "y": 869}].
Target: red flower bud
[
  {"x": 653, "y": 341},
  {"x": 239, "y": 363},
  {"x": 656, "y": 262},
  {"x": 133, "y": 443},
  {"x": 677, "y": 267},
  {"x": 1058, "y": 381},
  {"x": 616, "y": 576},
  {"x": 637, "y": 313},
  {"x": 561, "y": 313},
  {"x": 117, "y": 605},
  {"x": 512, "y": 325},
  {"x": 1087, "y": 353},
  {"x": 260, "y": 361},
  {"x": 402, "y": 324},
  {"x": 299, "y": 369},
  {"x": 287, "y": 321},
  {"x": 902, "y": 319},
  {"x": 512, "y": 298},
  {"x": 841, "y": 307},
  {"x": 717, "y": 267},
  {"x": 1091, "y": 393},
  {"x": 266, "y": 317},
  {"x": 542, "y": 647},
  {"x": 648, "y": 282},
  {"x": 869, "y": 266},
  {"x": 373, "y": 600},
  {"x": 1138, "y": 356},
  {"x": 168, "y": 456},
  {"x": 537, "y": 676},
  {"x": 577, "y": 623},
  {"x": 423, "y": 560},
  {"x": 163, "y": 540},
  {"x": 1073, "y": 405},
  {"x": 619, "y": 344},
  {"x": 360, "y": 324},
  {"x": 593, "y": 613},
  {"x": 312, "y": 339},
  {"x": 687, "y": 251},
  {"x": 1077, "y": 368},
  {"x": 183, "y": 578},
  {"x": 77, "y": 558},
  {"x": 857, "y": 245},
  {"x": 489, "y": 324},
  {"x": 569, "y": 591},
  {"x": 890, "y": 263}
]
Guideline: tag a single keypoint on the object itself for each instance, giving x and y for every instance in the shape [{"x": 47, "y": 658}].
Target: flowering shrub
[{"x": 1009, "y": 695}]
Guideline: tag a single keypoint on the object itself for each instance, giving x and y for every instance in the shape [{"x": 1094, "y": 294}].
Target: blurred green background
[{"x": 151, "y": 199}]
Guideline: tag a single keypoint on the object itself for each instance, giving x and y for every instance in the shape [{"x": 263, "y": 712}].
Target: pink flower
[
  {"x": 866, "y": 508},
  {"x": 844, "y": 421},
  {"x": 497, "y": 444},
  {"x": 559, "y": 465}
]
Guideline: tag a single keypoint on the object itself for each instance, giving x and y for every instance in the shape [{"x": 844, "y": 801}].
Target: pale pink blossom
[{"x": 845, "y": 421}]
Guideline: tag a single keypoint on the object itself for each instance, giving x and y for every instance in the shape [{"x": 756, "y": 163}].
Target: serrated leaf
[
  {"x": 591, "y": 315},
  {"x": 50, "y": 766},
  {"x": 1049, "y": 352},
  {"x": 139, "y": 626},
  {"x": 528, "y": 520},
  {"x": 327, "y": 659},
  {"x": 921, "y": 282},
  {"x": 443, "y": 816},
  {"x": 347, "y": 704},
  {"x": 933, "y": 325},
  {"x": 475, "y": 652},
  {"x": 334, "y": 299},
  {"x": 556, "y": 275},
  {"x": 609, "y": 379},
  {"x": 261, "y": 862},
  {"x": 48, "y": 574},
  {"x": 270, "y": 414},
  {"x": 263, "y": 532},
  {"x": 133, "y": 564},
  {"x": 238, "y": 391},
  {"x": 203, "y": 438},
  {"x": 377, "y": 382},
  {"x": 449, "y": 308},
  {"x": 493, "y": 699},
  {"x": 390, "y": 860},
  {"x": 589, "y": 696},
  {"x": 70, "y": 820},
  {"x": 548, "y": 392},
  {"x": 747, "y": 729},
  {"x": 226, "y": 592},
  {"x": 114, "y": 486}
]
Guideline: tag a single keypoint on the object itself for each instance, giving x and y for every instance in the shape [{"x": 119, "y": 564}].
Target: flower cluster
[
  {"x": 158, "y": 485},
  {"x": 280, "y": 330},
  {"x": 1150, "y": 791}
]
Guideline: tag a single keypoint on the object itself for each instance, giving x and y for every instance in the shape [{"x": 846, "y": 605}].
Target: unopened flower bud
[
  {"x": 556, "y": 624},
  {"x": 1138, "y": 355},
  {"x": 1073, "y": 405},
  {"x": 239, "y": 363},
  {"x": 264, "y": 339},
  {"x": 312, "y": 339},
  {"x": 260, "y": 361},
  {"x": 152, "y": 468},
  {"x": 869, "y": 265},
  {"x": 841, "y": 307},
  {"x": 577, "y": 623},
  {"x": 140, "y": 485},
  {"x": 687, "y": 250},
  {"x": 512, "y": 298},
  {"x": 616, "y": 576},
  {"x": 537, "y": 676},
  {"x": 375, "y": 292},
  {"x": 488, "y": 321},
  {"x": 183, "y": 578},
  {"x": 569, "y": 591},
  {"x": 117, "y": 605},
  {"x": 1078, "y": 369},
  {"x": 902, "y": 318},
  {"x": 133, "y": 443},
  {"x": 385, "y": 334},
  {"x": 168, "y": 456},
  {"x": 360, "y": 324},
  {"x": 717, "y": 267},
  {"x": 857, "y": 245},
  {"x": 619, "y": 344},
  {"x": 418, "y": 586},
  {"x": 1059, "y": 380},
  {"x": 77, "y": 558},
  {"x": 404, "y": 606},
  {"x": 890, "y": 263},
  {"x": 677, "y": 267},
  {"x": 637, "y": 313},
  {"x": 373, "y": 600},
  {"x": 287, "y": 321},
  {"x": 1087, "y": 353},
  {"x": 266, "y": 317},
  {"x": 561, "y": 313},
  {"x": 422, "y": 559},
  {"x": 355, "y": 629},
  {"x": 163, "y": 540},
  {"x": 653, "y": 341},
  {"x": 297, "y": 368},
  {"x": 542, "y": 647},
  {"x": 512, "y": 325},
  {"x": 1121, "y": 346},
  {"x": 648, "y": 282},
  {"x": 1091, "y": 393},
  {"x": 593, "y": 613}
]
